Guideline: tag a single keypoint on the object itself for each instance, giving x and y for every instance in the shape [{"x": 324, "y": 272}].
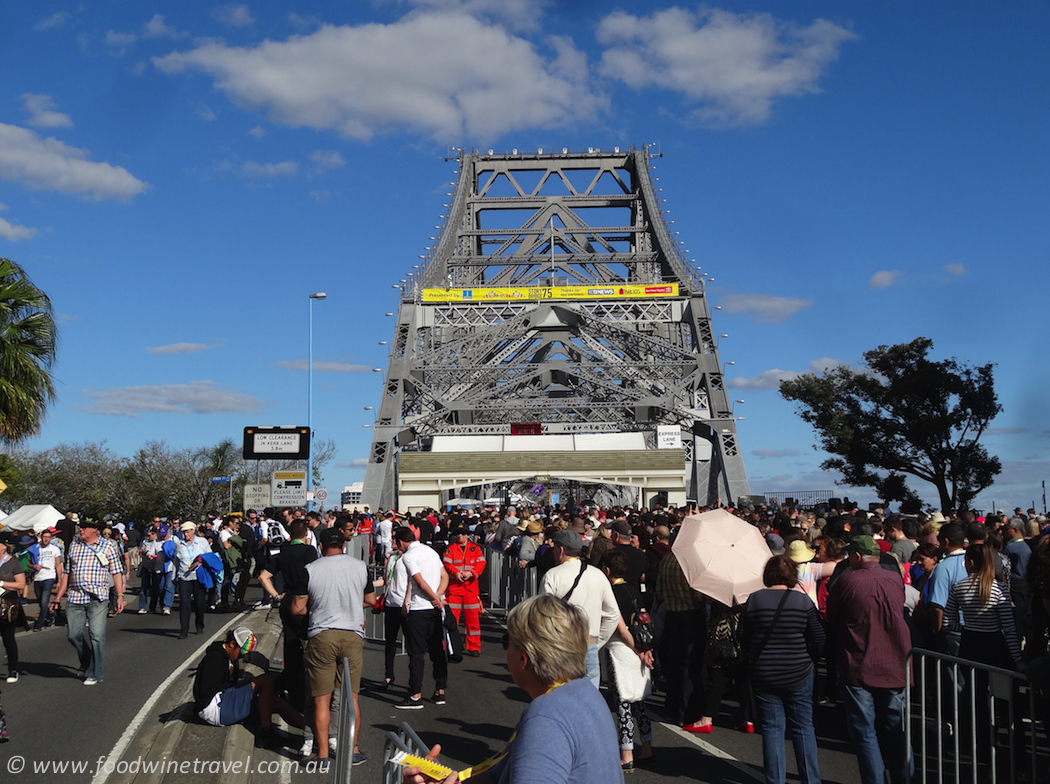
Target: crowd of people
[{"x": 853, "y": 590}]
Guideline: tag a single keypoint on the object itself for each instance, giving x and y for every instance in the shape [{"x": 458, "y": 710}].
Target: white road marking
[
  {"x": 714, "y": 751},
  {"x": 140, "y": 717}
]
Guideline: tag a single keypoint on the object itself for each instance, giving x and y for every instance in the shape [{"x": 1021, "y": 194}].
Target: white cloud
[
  {"x": 327, "y": 159},
  {"x": 55, "y": 20},
  {"x": 360, "y": 462},
  {"x": 770, "y": 379},
  {"x": 764, "y": 308},
  {"x": 321, "y": 196},
  {"x": 199, "y": 397},
  {"x": 205, "y": 113},
  {"x": 158, "y": 28},
  {"x": 303, "y": 22},
  {"x": 323, "y": 367},
  {"x": 253, "y": 169},
  {"x": 258, "y": 132},
  {"x": 42, "y": 112},
  {"x": 764, "y": 453},
  {"x": 955, "y": 269},
  {"x": 516, "y": 14},
  {"x": 885, "y": 278},
  {"x": 819, "y": 366},
  {"x": 733, "y": 65},
  {"x": 178, "y": 348},
  {"x": 10, "y": 231},
  {"x": 120, "y": 41},
  {"x": 233, "y": 15},
  {"x": 421, "y": 73},
  {"x": 48, "y": 164}
]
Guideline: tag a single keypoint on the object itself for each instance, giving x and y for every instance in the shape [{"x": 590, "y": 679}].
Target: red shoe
[
  {"x": 748, "y": 727},
  {"x": 697, "y": 727}
]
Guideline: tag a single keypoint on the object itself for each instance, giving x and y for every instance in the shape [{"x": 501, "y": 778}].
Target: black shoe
[
  {"x": 360, "y": 758},
  {"x": 646, "y": 762},
  {"x": 409, "y": 704},
  {"x": 386, "y": 684},
  {"x": 627, "y": 767},
  {"x": 438, "y": 698},
  {"x": 183, "y": 635},
  {"x": 473, "y": 653}
]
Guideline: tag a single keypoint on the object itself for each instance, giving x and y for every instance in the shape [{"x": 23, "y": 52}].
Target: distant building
[{"x": 351, "y": 495}]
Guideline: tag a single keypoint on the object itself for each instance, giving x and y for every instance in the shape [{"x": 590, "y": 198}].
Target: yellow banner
[{"x": 623, "y": 291}]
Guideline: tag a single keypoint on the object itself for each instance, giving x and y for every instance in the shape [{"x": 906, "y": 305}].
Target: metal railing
[
  {"x": 344, "y": 757},
  {"x": 956, "y": 700},
  {"x": 506, "y": 583},
  {"x": 406, "y": 740}
]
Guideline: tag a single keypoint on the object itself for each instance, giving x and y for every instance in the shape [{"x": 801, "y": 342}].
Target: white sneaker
[
  {"x": 12, "y": 678},
  {"x": 307, "y": 748},
  {"x": 332, "y": 744},
  {"x": 91, "y": 682},
  {"x": 143, "y": 611},
  {"x": 167, "y": 611}
]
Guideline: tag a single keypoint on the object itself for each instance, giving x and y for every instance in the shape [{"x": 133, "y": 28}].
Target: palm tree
[{"x": 27, "y": 352}]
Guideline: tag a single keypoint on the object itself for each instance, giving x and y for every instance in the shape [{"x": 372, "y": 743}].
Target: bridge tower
[{"x": 556, "y": 295}]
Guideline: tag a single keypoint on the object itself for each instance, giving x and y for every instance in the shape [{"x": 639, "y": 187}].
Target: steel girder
[{"x": 574, "y": 365}]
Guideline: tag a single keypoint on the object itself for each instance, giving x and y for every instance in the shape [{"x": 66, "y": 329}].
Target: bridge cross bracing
[{"x": 556, "y": 294}]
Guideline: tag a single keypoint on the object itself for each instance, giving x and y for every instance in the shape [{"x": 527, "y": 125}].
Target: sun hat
[
  {"x": 188, "y": 526},
  {"x": 800, "y": 552}
]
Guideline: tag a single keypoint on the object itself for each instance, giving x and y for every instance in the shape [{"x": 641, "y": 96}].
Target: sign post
[{"x": 215, "y": 480}]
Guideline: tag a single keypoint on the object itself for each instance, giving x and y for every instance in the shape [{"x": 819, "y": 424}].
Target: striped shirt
[
  {"x": 796, "y": 642},
  {"x": 996, "y": 616}
]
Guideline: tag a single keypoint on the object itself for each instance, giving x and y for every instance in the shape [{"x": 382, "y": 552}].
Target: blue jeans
[
  {"x": 90, "y": 647},
  {"x": 864, "y": 707},
  {"x": 795, "y": 709},
  {"x": 167, "y": 587},
  {"x": 43, "y": 598},
  {"x": 594, "y": 670}
]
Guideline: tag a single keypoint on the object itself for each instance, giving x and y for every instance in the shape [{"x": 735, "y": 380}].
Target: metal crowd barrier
[
  {"x": 344, "y": 757},
  {"x": 406, "y": 740},
  {"x": 360, "y": 547},
  {"x": 507, "y": 584},
  {"x": 950, "y": 692}
]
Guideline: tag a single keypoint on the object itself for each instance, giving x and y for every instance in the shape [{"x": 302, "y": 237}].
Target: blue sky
[{"x": 179, "y": 177}]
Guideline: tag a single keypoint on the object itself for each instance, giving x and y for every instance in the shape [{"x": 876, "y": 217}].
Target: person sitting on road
[{"x": 220, "y": 700}]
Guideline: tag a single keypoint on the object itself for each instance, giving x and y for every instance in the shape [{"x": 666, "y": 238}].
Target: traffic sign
[
  {"x": 320, "y": 495},
  {"x": 286, "y": 443},
  {"x": 288, "y": 488},
  {"x": 256, "y": 497},
  {"x": 216, "y": 480}
]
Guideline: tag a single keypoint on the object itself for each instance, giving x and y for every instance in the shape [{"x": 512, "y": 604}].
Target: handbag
[
  {"x": 10, "y": 607},
  {"x": 722, "y": 648},
  {"x": 380, "y": 605}
]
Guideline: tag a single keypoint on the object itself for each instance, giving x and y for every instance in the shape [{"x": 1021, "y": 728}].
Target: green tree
[
  {"x": 903, "y": 415},
  {"x": 27, "y": 353}
]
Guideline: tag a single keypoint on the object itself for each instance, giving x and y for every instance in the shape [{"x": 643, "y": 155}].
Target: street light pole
[{"x": 310, "y": 404}]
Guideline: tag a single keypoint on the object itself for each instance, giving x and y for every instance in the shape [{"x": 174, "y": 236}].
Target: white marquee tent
[{"x": 35, "y": 517}]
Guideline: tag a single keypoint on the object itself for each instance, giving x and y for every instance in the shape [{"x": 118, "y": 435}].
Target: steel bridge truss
[{"x": 524, "y": 229}]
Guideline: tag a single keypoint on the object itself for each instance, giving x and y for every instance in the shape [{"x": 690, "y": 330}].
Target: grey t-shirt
[{"x": 337, "y": 588}]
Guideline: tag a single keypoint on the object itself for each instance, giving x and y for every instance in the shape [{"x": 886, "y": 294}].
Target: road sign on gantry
[
  {"x": 288, "y": 488},
  {"x": 276, "y": 443}
]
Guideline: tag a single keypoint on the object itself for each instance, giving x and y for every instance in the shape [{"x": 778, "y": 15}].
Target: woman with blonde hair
[{"x": 566, "y": 735}]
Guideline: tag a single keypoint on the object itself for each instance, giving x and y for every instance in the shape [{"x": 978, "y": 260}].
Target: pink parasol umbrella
[{"x": 721, "y": 555}]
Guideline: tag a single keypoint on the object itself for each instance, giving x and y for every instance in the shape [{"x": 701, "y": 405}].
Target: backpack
[{"x": 514, "y": 548}]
